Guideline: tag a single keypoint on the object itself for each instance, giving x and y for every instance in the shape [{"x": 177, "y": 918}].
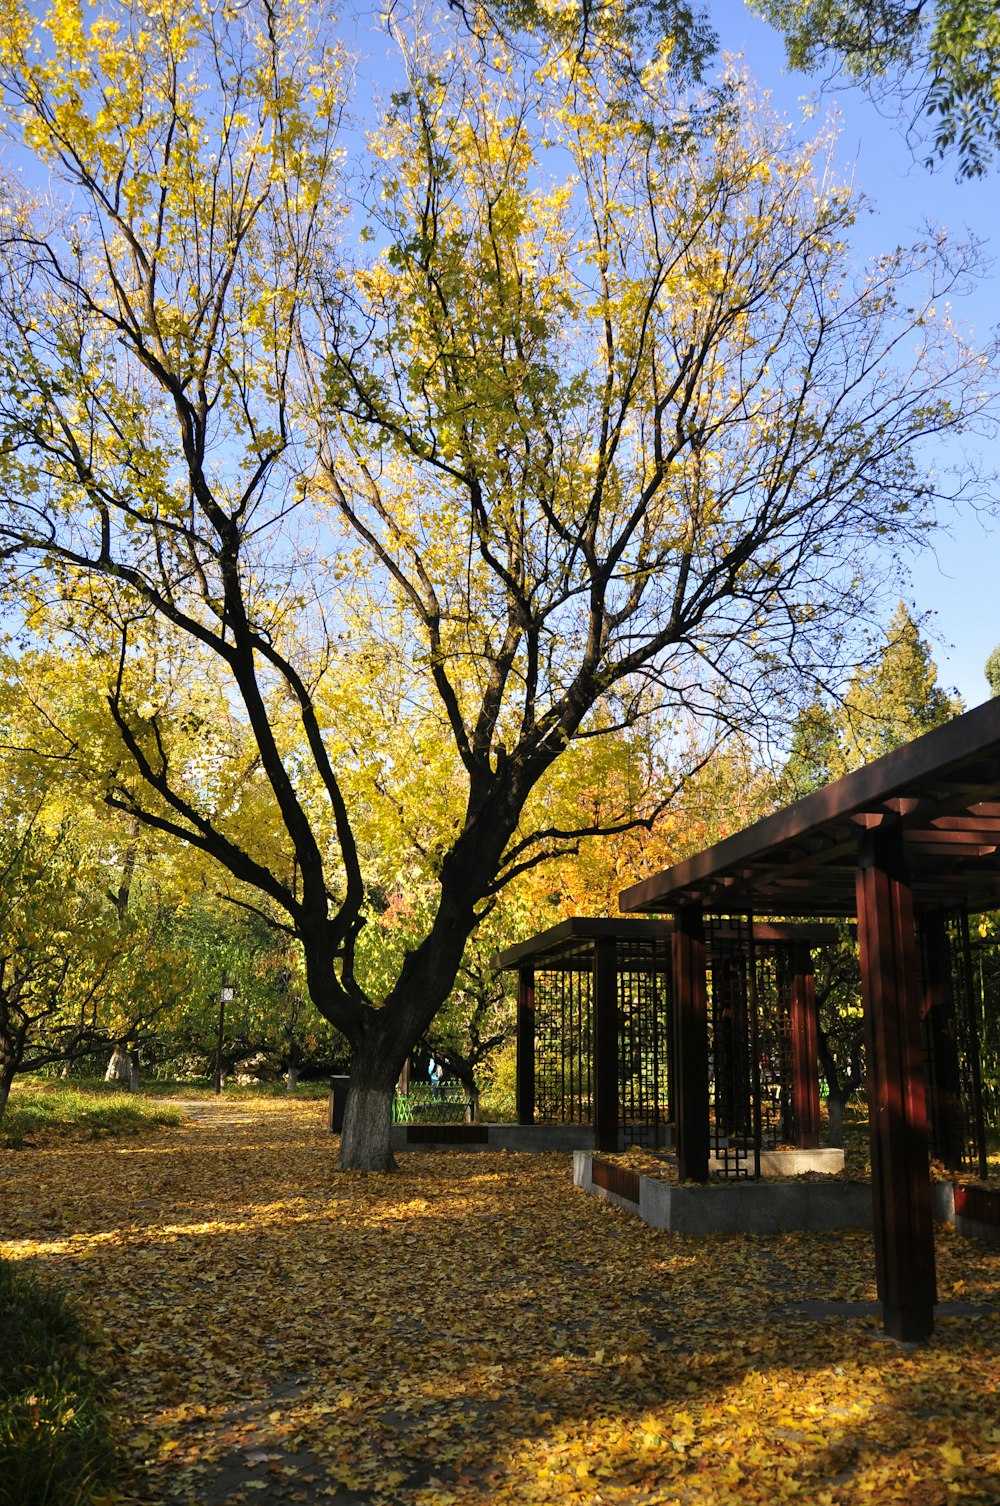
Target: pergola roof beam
[{"x": 941, "y": 791}]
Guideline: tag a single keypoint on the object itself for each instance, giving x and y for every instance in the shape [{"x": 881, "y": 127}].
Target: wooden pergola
[
  {"x": 610, "y": 950},
  {"x": 913, "y": 838}
]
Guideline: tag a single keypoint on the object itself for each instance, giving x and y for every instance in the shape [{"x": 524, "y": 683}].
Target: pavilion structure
[
  {"x": 910, "y": 846},
  {"x": 596, "y": 1026}
]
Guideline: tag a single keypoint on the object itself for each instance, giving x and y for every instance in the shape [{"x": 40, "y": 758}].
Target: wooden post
[
  {"x": 897, "y": 1108},
  {"x": 606, "y": 1085},
  {"x": 805, "y": 1049},
  {"x": 690, "y": 1065},
  {"x": 944, "y": 1085},
  {"x": 525, "y": 1048}
]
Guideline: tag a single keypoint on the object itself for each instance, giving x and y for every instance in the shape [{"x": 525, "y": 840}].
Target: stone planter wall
[{"x": 770, "y": 1208}]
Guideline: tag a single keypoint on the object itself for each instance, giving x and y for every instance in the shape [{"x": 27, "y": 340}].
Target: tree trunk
[
  {"x": 467, "y": 1077},
  {"x": 118, "y": 1067},
  {"x": 6, "y": 1078},
  {"x": 835, "y": 1127},
  {"x": 294, "y": 1064},
  {"x": 133, "y": 1069},
  {"x": 382, "y": 1038},
  {"x": 364, "y": 1143}
]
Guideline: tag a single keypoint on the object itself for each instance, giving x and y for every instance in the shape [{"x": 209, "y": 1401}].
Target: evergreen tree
[
  {"x": 815, "y": 750},
  {"x": 895, "y": 700}
]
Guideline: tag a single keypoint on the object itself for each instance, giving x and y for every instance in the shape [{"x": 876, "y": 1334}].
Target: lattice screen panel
[
  {"x": 644, "y": 1023},
  {"x": 564, "y": 1046}
]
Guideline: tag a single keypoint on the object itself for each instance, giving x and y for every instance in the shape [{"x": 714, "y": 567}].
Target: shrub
[
  {"x": 498, "y": 1102},
  {"x": 56, "y": 1445}
]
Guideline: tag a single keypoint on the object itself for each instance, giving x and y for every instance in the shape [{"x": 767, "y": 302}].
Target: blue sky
[{"x": 958, "y": 580}]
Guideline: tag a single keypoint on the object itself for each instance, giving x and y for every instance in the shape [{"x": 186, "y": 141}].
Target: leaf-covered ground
[{"x": 475, "y": 1329}]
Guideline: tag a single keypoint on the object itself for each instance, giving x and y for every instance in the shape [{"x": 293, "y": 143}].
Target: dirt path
[
  {"x": 227, "y": 1111},
  {"x": 476, "y": 1330}
]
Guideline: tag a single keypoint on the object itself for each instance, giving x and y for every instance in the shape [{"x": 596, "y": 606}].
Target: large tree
[
  {"x": 991, "y": 669},
  {"x": 580, "y": 417}
]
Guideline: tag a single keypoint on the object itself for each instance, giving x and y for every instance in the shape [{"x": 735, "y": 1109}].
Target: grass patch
[
  {"x": 56, "y": 1445},
  {"x": 39, "y": 1109},
  {"x": 203, "y": 1087}
]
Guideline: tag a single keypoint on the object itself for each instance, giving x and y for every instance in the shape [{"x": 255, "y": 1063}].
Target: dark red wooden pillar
[
  {"x": 944, "y": 1085},
  {"x": 525, "y": 1045},
  {"x": 897, "y": 1109},
  {"x": 606, "y": 1089},
  {"x": 690, "y": 1065},
  {"x": 805, "y": 1049}
]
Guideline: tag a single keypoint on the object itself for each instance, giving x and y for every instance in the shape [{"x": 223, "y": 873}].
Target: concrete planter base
[
  {"x": 530, "y": 1137},
  {"x": 976, "y": 1212},
  {"x": 792, "y": 1163},
  {"x": 768, "y": 1208}
]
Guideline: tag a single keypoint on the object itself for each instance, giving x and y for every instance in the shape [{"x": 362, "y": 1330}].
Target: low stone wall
[
  {"x": 792, "y": 1163},
  {"x": 977, "y": 1212},
  {"x": 746, "y": 1207},
  {"x": 530, "y": 1137}
]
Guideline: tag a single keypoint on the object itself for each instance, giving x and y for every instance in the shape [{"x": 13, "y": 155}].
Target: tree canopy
[{"x": 941, "y": 59}]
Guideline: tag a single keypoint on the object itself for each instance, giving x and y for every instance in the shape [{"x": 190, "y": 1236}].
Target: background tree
[
  {"x": 175, "y": 935},
  {"x": 56, "y": 952},
  {"x": 888, "y": 701},
  {"x": 840, "y": 1034},
  {"x": 596, "y": 428},
  {"x": 895, "y": 700},
  {"x": 992, "y": 671},
  {"x": 270, "y": 1026},
  {"x": 941, "y": 60},
  {"x": 52, "y": 752},
  {"x": 477, "y": 1019}
]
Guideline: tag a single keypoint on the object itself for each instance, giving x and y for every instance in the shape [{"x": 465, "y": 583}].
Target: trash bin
[{"x": 339, "y": 1089}]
